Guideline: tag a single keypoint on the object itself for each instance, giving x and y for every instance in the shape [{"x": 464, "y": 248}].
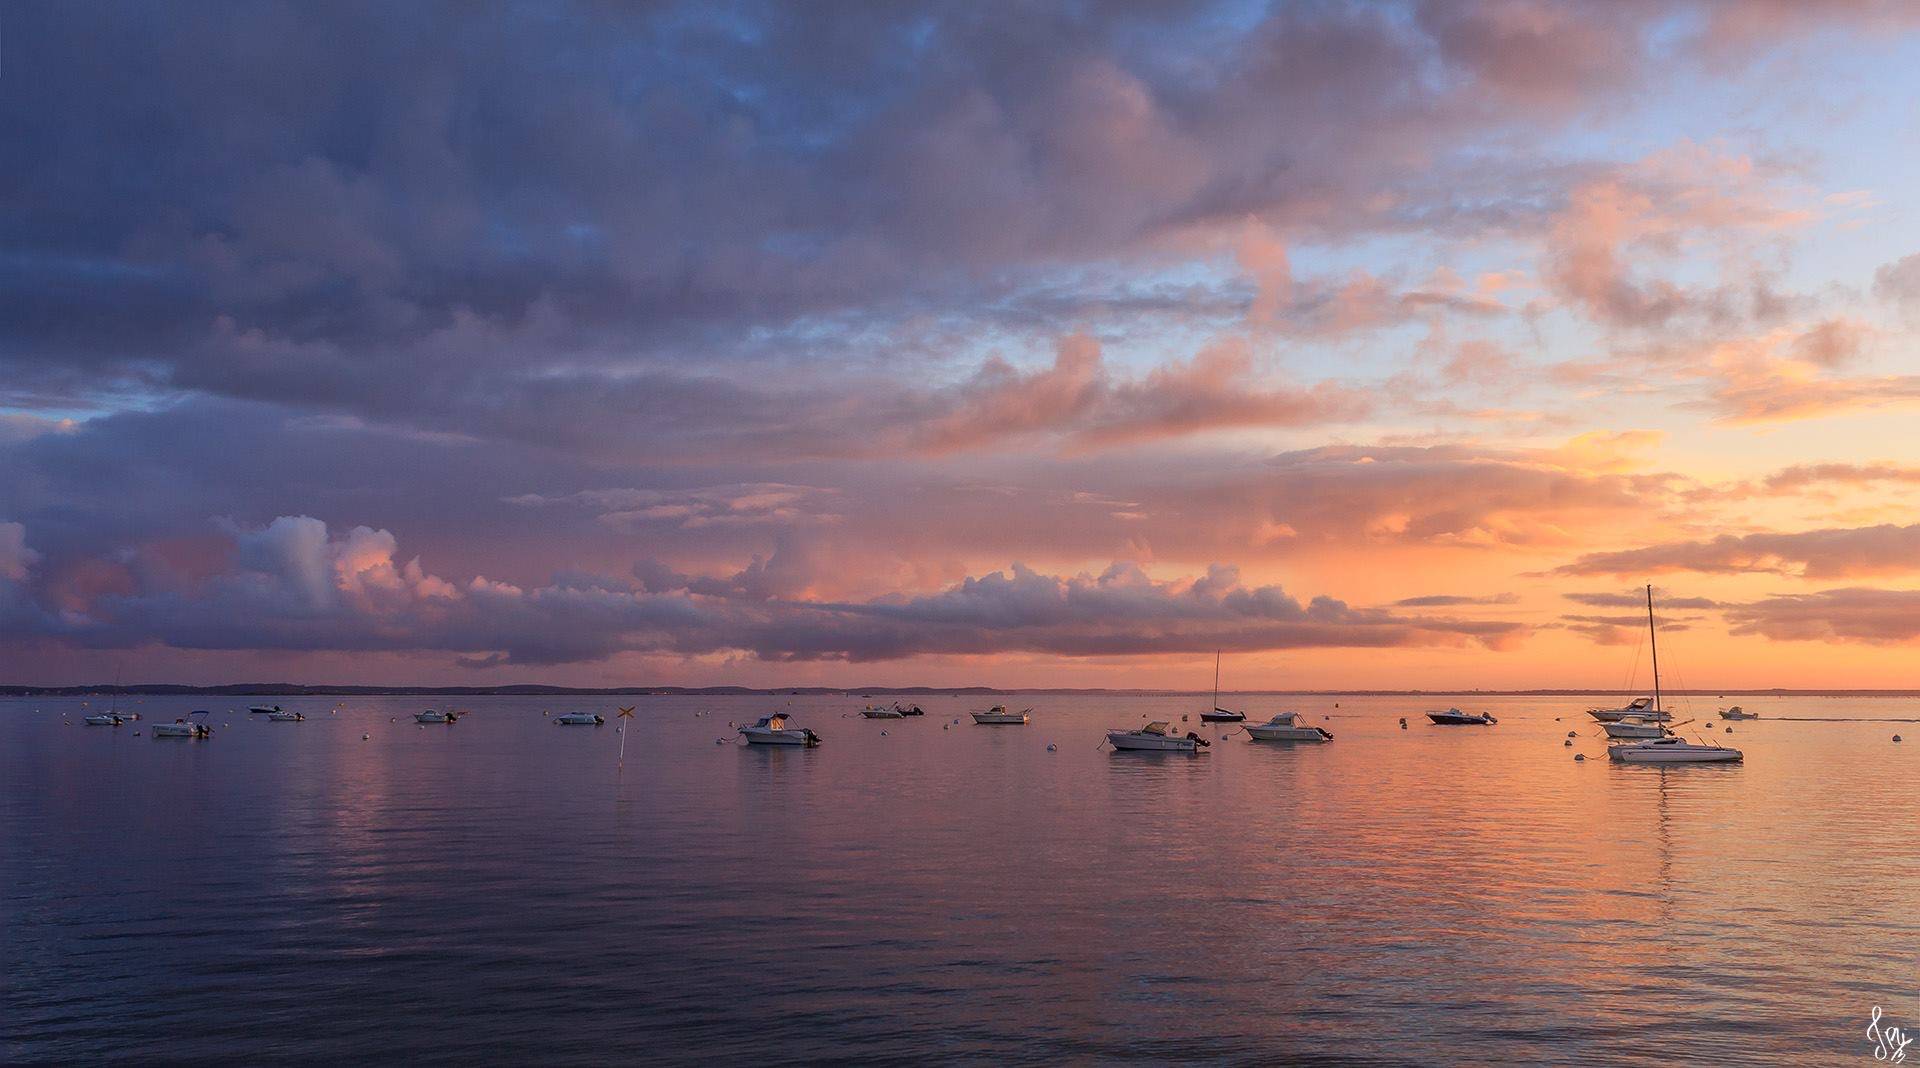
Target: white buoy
[
  {"x": 1052, "y": 748},
  {"x": 883, "y": 734},
  {"x": 364, "y": 737},
  {"x": 1570, "y": 734},
  {"x": 1568, "y": 743},
  {"x": 946, "y": 726}
]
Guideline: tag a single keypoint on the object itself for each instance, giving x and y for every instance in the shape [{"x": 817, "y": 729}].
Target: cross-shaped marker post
[{"x": 625, "y": 713}]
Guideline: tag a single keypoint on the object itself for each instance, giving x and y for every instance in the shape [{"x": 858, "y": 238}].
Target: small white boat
[
  {"x": 285, "y": 717},
  {"x": 184, "y": 727},
  {"x": 263, "y": 710},
  {"x": 1635, "y": 727},
  {"x": 432, "y": 716},
  {"x": 104, "y": 719},
  {"x": 1453, "y": 717},
  {"x": 876, "y": 712},
  {"x": 1673, "y": 751},
  {"x": 578, "y": 719},
  {"x": 1156, "y": 737},
  {"x": 1643, "y": 707},
  {"x": 1736, "y": 712},
  {"x": 998, "y": 714},
  {"x": 1285, "y": 727},
  {"x": 773, "y": 730}
]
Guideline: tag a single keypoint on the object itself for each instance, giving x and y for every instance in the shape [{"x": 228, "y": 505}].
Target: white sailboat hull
[
  {"x": 1673, "y": 753},
  {"x": 1633, "y": 730},
  {"x": 1009, "y": 719},
  {"x": 177, "y": 730}
]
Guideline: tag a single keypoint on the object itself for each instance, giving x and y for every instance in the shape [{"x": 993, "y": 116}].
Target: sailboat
[
  {"x": 1217, "y": 714},
  {"x": 1668, "y": 749}
]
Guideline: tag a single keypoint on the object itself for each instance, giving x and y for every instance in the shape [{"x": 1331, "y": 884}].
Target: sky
[{"x": 1370, "y": 345}]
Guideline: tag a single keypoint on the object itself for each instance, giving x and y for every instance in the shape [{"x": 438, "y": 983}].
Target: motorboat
[
  {"x": 909, "y": 710},
  {"x": 876, "y": 712},
  {"x": 1635, "y": 727},
  {"x": 433, "y": 716},
  {"x": 285, "y": 717},
  {"x": 1216, "y": 714},
  {"x": 1736, "y": 712},
  {"x": 184, "y": 727},
  {"x": 998, "y": 715},
  {"x": 1673, "y": 751},
  {"x": 773, "y": 730},
  {"x": 1669, "y": 749},
  {"x": 1286, "y": 727},
  {"x": 578, "y": 719},
  {"x": 1156, "y": 737},
  {"x": 1453, "y": 717},
  {"x": 104, "y": 719},
  {"x": 1644, "y": 707},
  {"x": 263, "y": 710}
]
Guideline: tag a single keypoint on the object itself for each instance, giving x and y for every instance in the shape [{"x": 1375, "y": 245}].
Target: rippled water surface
[{"x": 503, "y": 890}]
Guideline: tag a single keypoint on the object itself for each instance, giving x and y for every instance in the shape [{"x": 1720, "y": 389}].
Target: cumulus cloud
[
  {"x": 1816, "y": 554},
  {"x": 1654, "y": 208},
  {"x": 296, "y": 585},
  {"x": 1852, "y": 614}
]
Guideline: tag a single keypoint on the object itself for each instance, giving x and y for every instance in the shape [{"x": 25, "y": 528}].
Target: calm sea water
[{"x": 502, "y": 890}]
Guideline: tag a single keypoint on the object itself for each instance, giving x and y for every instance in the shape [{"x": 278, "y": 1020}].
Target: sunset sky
[{"x": 1376, "y": 344}]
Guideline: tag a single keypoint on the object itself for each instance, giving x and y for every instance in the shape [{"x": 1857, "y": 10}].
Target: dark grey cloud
[
  {"x": 296, "y": 585},
  {"x": 401, "y": 210}
]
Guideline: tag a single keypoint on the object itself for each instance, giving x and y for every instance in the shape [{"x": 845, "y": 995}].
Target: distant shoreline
[{"x": 277, "y": 689}]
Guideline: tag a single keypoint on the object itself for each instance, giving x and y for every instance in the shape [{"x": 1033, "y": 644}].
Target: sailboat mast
[
  {"x": 1653, "y": 642},
  {"x": 1216, "y": 678}
]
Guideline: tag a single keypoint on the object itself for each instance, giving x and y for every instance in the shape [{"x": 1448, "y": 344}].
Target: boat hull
[
  {"x": 1261, "y": 733},
  {"x": 1642, "y": 754},
  {"x": 1445, "y": 720},
  {"x": 1148, "y": 743},
  {"x": 1215, "y": 717},
  {"x": 765, "y": 736},
  {"x": 1633, "y": 730},
  {"x": 174, "y": 730},
  {"x": 989, "y": 719}
]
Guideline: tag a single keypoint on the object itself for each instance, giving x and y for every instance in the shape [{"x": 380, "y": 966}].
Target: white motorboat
[
  {"x": 1669, "y": 749},
  {"x": 1156, "y": 737},
  {"x": 578, "y": 719},
  {"x": 184, "y": 727},
  {"x": 1453, "y": 717},
  {"x": 1635, "y": 727},
  {"x": 876, "y": 712},
  {"x": 433, "y": 716},
  {"x": 998, "y": 715},
  {"x": 104, "y": 719},
  {"x": 1736, "y": 712},
  {"x": 285, "y": 717},
  {"x": 1286, "y": 727},
  {"x": 263, "y": 710},
  {"x": 773, "y": 730},
  {"x": 1644, "y": 707}
]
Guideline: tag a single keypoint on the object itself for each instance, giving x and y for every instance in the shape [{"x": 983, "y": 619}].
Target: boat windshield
[{"x": 1156, "y": 727}]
